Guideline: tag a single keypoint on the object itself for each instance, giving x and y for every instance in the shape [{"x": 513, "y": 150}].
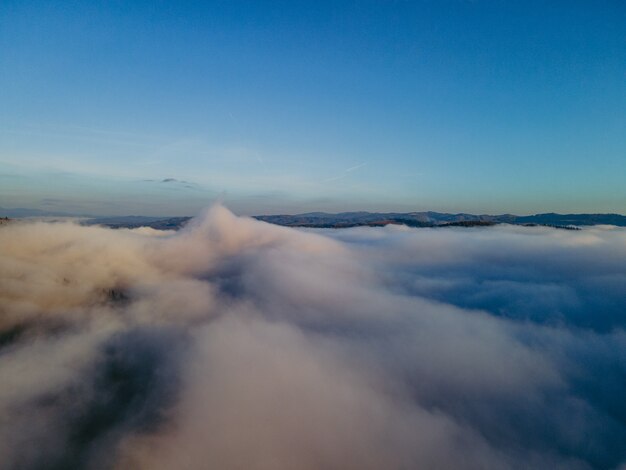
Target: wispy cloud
[{"x": 345, "y": 173}]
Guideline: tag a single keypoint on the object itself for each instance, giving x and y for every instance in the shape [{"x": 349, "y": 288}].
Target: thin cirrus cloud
[
  {"x": 238, "y": 344},
  {"x": 345, "y": 173}
]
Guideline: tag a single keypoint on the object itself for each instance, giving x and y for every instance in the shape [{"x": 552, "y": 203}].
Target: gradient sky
[{"x": 477, "y": 106}]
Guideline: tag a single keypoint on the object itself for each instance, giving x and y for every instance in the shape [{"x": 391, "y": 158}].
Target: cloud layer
[{"x": 238, "y": 344}]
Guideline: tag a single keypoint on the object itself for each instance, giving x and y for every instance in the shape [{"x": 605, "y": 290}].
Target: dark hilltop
[{"x": 377, "y": 219}]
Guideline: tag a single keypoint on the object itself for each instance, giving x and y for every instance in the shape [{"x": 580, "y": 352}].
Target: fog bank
[{"x": 238, "y": 344}]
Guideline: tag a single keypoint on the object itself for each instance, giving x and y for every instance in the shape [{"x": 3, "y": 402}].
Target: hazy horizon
[{"x": 158, "y": 212}]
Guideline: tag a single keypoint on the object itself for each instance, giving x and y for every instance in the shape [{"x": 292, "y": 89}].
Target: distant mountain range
[
  {"x": 350, "y": 219},
  {"x": 135, "y": 221},
  {"x": 435, "y": 219},
  {"x": 375, "y": 219}
]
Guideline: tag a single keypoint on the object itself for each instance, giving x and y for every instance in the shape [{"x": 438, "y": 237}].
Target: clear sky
[{"x": 159, "y": 108}]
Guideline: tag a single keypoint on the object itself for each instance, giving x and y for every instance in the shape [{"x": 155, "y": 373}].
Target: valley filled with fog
[{"x": 236, "y": 344}]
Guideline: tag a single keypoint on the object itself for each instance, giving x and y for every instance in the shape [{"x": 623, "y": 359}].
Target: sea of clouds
[{"x": 235, "y": 344}]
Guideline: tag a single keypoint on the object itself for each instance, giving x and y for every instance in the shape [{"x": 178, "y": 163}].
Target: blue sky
[{"x": 478, "y": 106}]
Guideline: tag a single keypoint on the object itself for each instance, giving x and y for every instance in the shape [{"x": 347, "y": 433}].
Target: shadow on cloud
[{"x": 238, "y": 344}]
